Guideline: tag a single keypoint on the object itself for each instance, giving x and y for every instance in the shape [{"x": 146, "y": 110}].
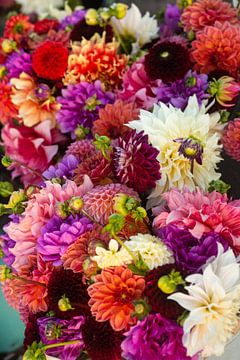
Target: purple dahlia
[
  {"x": 57, "y": 235},
  {"x": 189, "y": 252},
  {"x": 65, "y": 168},
  {"x": 80, "y": 105},
  {"x": 17, "y": 63},
  {"x": 178, "y": 93},
  {"x": 135, "y": 161},
  {"x": 154, "y": 338},
  {"x": 71, "y": 20},
  {"x": 171, "y": 21}
]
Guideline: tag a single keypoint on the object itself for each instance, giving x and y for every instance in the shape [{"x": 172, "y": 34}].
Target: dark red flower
[
  {"x": 31, "y": 333},
  {"x": 50, "y": 60},
  {"x": 43, "y": 26}
]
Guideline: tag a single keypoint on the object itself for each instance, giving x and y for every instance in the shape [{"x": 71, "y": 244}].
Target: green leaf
[{"x": 35, "y": 352}]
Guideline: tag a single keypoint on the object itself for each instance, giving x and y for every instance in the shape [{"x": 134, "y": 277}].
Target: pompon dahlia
[
  {"x": 138, "y": 88},
  {"x": 113, "y": 117},
  {"x": 16, "y": 27},
  {"x": 18, "y": 62},
  {"x": 231, "y": 139},
  {"x": 80, "y": 105},
  {"x": 206, "y": 12},
  {"x": 95, "y": 59},
  {"x": 135, "y": 162},
  {"x": 112, "y": 296},
  {"x": 217, "y": 48},
  {"x": 81, "y": 149},
  {"x": 8, "y": 110},
  {"x": 168, "y": 60},
  {"x": 100, "y": 340},
  {"x": 99, "y": 202},
  {"x": 67, "y": 295},
  {"x": 158, "y": 300},
  {"x": 50, "y": 60}
]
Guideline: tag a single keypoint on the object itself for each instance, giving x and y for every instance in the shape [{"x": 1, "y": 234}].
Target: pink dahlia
[
  {"x": 231, "y": 139},
  {"x": 34, "y": 147},
  {"x": 217, "y": 48},
  {"x": 206, "y": 12},
  {"x": 202, "y": 213},
  {"x": 99, "y": 203},
  {"x": 138, "y": 88},
  {"x": 81, "y": 149}
]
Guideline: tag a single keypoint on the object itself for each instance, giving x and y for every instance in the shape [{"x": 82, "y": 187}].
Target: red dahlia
[
  {"x": 43, "y": 26},
  {"x": 50, "y": 60}
]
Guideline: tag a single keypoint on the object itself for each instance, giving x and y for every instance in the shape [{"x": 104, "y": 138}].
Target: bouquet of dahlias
[{"x": 122, "y": 242}]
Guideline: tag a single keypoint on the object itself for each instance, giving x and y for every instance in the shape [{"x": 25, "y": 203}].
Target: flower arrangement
[{"x": 121, "y": 242}]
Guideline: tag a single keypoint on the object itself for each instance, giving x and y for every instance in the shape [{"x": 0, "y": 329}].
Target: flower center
[{"x": 164, "y": 54}]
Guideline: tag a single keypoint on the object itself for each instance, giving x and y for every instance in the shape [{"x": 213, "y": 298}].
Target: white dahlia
[
  {"x": 213, "y": 302},
  {"x": 112, "y": 256},
  {"x": 39, "y": 6},
  {"x": 139, "y": 29},
  {"x": 167, "y": 127}
]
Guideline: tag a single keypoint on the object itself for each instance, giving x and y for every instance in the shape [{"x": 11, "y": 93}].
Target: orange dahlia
[
  {"x": 7, "y": 108},
  {"x": 113, "y": 117},
  {"x": 231, "y": 139},
  {"x": 218, "y": 48},
  {"x": 95, "y": 59},
  {"x": 17, "y": 26},
  {"x": 112, "y": 296},
  {"x": 206, "y": 12}
]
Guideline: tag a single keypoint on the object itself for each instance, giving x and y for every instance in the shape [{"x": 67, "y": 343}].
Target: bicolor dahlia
[
  {"x": 34, "y": 102},
  {"x": 168, "y": 60},
  {"x": 179, "y": 92},
  {"x": 57, "y": 235},
  {"x": 225, "y": 89},
  {"x": 201, "y": 213},
  {"x": 64, "y": 168},
  {"x": 18, "y": 62},
  {"x": 167, "y": 124},
  {"x": 135, "y": 162},
  {"x": 231, "y": 139},
  {"x": 81, "y": 149},
  {"x": 112, "y": 296},
  {"x": 95, "y": 59},
  {"x": 154, "y": 338},
  {"x": 213, "y": 302},
  {"x": 190, "y": 253},
  {"x": 217, "y": 48},
  {"x": 113, "y": 117},
  {"x": 8, "y": 110},
  {"x": 16, "y": 27},
  {"x": 204, "y": 13},
  {"x": 99, "y": 202},
  {"x": 138, "y": 88},
  {"x": 156, "y": 298},
  {"x": 50, "y": 60},
  {"x": 80, "y": 105},
  {"x": 100, "y": 340}
]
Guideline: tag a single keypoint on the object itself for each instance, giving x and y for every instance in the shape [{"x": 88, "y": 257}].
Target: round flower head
[
  {"x": 81, "y": 149},
  {"x": 206, "y": 12},
  {"x": 80, "y": 105},
  {"x": 18, "y": 62},
  {"x": 231, "y": 139},
  {"x": 217, "y": 48},
  {"x": 122, "y": 287},
  {"x": 168, "y": 60},
  {"x": 135, "y": 162},
  {"x": 16, "y": 27}
]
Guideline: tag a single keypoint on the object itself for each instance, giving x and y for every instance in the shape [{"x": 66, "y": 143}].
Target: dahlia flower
[
  {"x": 64, "y": 168},
  {"x": 8, "y": 110},
  {"x": 111, "y": 257},
  {"x": 113, "y": 118},
  {"x": 231, "y": 139},
  {"x": 70, "y": 20},
  {"x": 95, "y": 59},
  {"x": 153, "y": 338},
  {"x": 122, "y": 287},
  {"x": 16, "y": 27},
  {"x": 81, "y": 149},
  {"x": 18, "y": 62},
  {"x": 80, "y": 105},
  {"x": 202, "y": 213},
  {"x": 190, "y": 253},
  {"x": 138, "y": 88},
  {"x": 179, "y": 92},
  {"x": 225, "y": 90},
  {"x": 43, "y": 26},
  {"x": 171, "y": 20},
  {"x": 206, "y": 12},
  {"x": 39, "y": 7},
  {"x": 57, "y": 235},
  {"x": 167, "y": 124},
  {"x": 99, "y": 202},
  {"x": 39, "y": 210},
  {"x": 213, "y": 302},
  {"x": 135, "y": 162},
  {"x": 132, "y": 25},
  {"x": 32, "y": 107},
  {"x": 217, "y": 48}
]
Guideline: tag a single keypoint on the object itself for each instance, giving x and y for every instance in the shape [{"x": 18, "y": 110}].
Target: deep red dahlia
[
  {"x": 135, "y": 162},
  {"x": 43, "y": 26},
  {"x": 50, "y": 60}
]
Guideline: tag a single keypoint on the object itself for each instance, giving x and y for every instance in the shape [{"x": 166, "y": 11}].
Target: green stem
[
  {"x": 29, "y": 168},
  {"x": 117, "y": 238},
  {"x": 27, "y": 281},
  {"x": 51, "y": 346},
  {"x": 89, "y": 217},
  {"x": 121, "y": 41}
]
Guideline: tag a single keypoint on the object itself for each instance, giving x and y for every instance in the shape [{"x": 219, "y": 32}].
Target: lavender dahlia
[
  {"x": 189, "y": 252},
  {"x": 154, "y": 338},
  {"x": 80, "y": 105},
  {"x": 65, "y": 168},
  {"x": 58, "y": 235}
]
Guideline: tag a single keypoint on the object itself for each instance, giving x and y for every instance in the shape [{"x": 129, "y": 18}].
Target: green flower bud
[
  {"x": 64, "y": 304},
  {"x": 6, "y": 161},
  {"x": 220, "y": 186},
  {"x": 124, "y": 204},
  {"x": 35, "y": 352},
  {"x": 75, "y": 204},
  {"x": 17, "y": 202},
  {"x": 61, "y": 210},
  {"x": 91, "y": 17},
  {"x": 168, "y": 283},
  {"x": 120, "y": 10},
  {"x": 6, "y": 188},
  {"x": 5, "y": 273}
]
